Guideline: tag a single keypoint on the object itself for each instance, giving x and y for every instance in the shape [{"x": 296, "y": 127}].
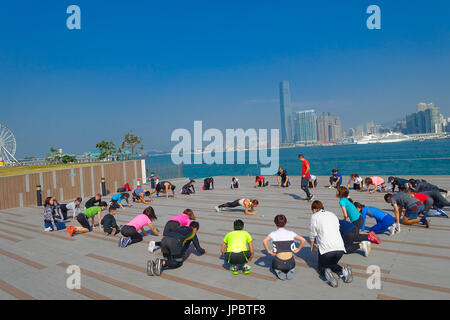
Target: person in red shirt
[
  {"x": 432, "y": 200},
  {"x": 127, "y": 187},
  {"x": 259, "y": 181},
  {"x": 305, "y": 177}
]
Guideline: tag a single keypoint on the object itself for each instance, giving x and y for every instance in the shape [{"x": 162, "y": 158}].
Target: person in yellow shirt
[{"x": 237, "y": 248}]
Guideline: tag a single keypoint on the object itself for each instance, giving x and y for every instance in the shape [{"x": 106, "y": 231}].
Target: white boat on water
[
  {"x": 368, "y": 139},
  {"x": 385, "y": 138},
  {"x": 394, "y": 137}
]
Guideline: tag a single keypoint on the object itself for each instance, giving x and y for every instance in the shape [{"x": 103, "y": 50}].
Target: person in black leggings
[
  {"x": 188, "y": 188},
  {"x": 324, "y": 230},
  {"x": 421, "y": 186},
  {"x": 173, "y": 248},
  {"x": 353, "y": 240},
  {"x": 306, "y": 170},
  {"x": 180, "y": 220},
  {"x": 246, "y": 203},
  {"x": 208, "y": 183},
  {"x": 439, "y": 201}
]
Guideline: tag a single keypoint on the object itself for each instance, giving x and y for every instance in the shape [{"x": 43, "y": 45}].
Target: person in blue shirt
[
  {"x": 385, "y": 222},
  {"x": 348, "y": 208},
  {"x": 116, "y": 200},
  {"x": 335, "y": 179}
]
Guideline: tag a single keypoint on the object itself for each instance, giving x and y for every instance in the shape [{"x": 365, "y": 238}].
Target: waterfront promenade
[{"x": 414, "y": 264}]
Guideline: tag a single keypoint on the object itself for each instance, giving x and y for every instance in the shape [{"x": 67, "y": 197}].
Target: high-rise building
[
  {"x": 305, "y": 124},
  {"x": 351, "y": 132},
  {"x": 337, "y": 129},
  {"x": 426, "y": 120},
  {"x": 323, "y": 128},
  {"x": 329, "y": 128},
  {"x": 360, "y": 131},
  {"x": 287, "y": 121}
]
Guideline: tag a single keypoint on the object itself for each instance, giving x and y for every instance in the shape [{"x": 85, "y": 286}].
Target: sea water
[{"x": 430, "y": 157}]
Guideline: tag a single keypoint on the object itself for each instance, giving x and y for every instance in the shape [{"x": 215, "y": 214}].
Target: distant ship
[{"x": 385, "y": 138}]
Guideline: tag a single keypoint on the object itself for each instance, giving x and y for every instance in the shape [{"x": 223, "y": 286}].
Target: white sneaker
[
  {"x": 397, "y": 228},
  {"x": 391, "y": 230},
  {"x": 151, "y": 246},
  {"x": 48, "y": 229},
  {"x": 217, "y": 209},
  {"x": 367, "y": 247},
  {"x": 347, "y": 275}
]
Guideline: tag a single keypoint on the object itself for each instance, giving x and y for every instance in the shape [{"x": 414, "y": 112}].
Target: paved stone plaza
[{"x": 414, "y": 264}]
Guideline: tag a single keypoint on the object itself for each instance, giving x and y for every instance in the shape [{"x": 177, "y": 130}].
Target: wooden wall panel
[
  {"x": 130, "y": 173},
  {"x": 12, "y": 186},
  {"x": 98, "y": 178},
  {"x": 31, "y": 196}
]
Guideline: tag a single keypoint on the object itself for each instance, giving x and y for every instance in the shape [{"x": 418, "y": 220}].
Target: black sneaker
[
  {"x": 332, "y": 281},
  {"x": 157, "y": 267},
  {"x": 150, "y": 266},
  {"x": 425, "y": 222},
  {"x": 310, "y": 198},
  {"x": 347, "y": 275}
]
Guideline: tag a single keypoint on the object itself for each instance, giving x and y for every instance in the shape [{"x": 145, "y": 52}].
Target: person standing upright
[{"x": 305, "y": 177}]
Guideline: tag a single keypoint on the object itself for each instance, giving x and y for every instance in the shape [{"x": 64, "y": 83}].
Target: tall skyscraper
[
  {"x": 287, "y": 121},
  {"x": 426, "y": 120},
  {"x": 305, "y": 124},
  {"x": 329, "y": 128},
  {"x": 360, "y": 131},
  {"x": 337, "y": 129},
  {"x": 323, "y": 134}
]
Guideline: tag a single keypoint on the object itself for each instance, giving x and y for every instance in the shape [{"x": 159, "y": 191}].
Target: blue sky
[{"x": 154, "y": 66}]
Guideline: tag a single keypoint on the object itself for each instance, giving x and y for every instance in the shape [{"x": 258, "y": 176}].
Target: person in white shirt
[
  {"x": 74, "y": 206},
  {"x": 312, "y": 181},
  {"x": 235, "y": 183},
  {"x": 356, "y": 180},
  {"x": 324, "y": 231}
]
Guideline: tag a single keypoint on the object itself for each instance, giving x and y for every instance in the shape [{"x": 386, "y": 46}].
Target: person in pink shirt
[
  {"x": 183, "y": 219},
  {"x": 130, "y": 232},
  {"x": 374, "y": 181}
]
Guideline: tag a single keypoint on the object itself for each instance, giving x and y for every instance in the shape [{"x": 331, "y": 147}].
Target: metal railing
[{"x": 165, "y": 172}]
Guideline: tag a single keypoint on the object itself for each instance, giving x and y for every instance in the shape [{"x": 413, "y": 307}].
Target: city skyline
[
  {"x": 306, "y": 127},
  {"x": 310, "y": 128}
]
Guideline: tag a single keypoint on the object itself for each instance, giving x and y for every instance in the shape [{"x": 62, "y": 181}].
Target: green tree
[
  {"x": 119, "y": 153},
  {"x": 54, "y": 156},
  {"x": 68, "y": 159},
  {"x": 106, "y": 148},
  {"x": 132, "y": 142}
]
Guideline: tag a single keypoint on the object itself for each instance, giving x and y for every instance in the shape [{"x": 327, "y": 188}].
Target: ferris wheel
[{"x": 7, "y": 145}]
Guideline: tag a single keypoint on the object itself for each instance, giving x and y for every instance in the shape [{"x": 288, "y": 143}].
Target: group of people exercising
[{"x": 332, "y": 237}]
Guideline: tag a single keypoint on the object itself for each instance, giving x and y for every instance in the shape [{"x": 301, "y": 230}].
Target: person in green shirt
[
  {"x": 82, "y": 218},
  {"x": 239, "y": 248}
]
